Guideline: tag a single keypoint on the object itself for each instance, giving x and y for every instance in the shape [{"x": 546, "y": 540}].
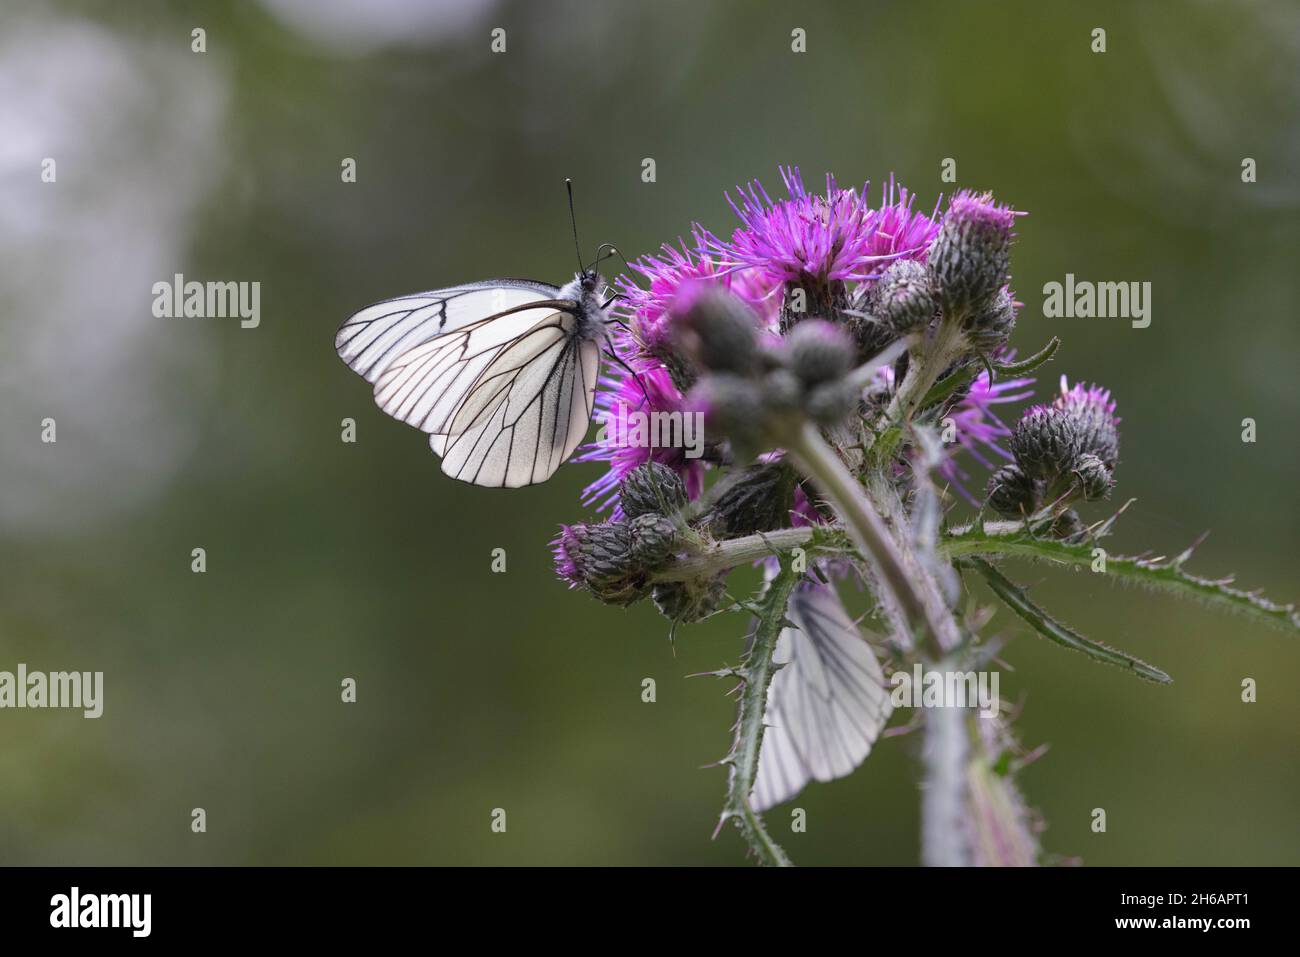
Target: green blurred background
[{"x": 478, "y": 690}]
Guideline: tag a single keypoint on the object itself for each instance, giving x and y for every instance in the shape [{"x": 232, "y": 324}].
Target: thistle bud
[
  {"x": 690, "y": 601},
  {"x": 1069, "y": 525},
  {"x": 1012, "y": 493},
  {"x": 732, "y": 408},
  {"x": 1045, "y": 443},
  {"x": 1092, "y": 411},
  {"x": 968, "y": 260},
  {"x": 904, "y": 297},
  {"x": 1092, "y": 477},
  {"x": 718, "y": 331},
  {"x": 818, "y": 352},
  {"x": 654, "y": 537},
  {"x": 652, "y": 487},
  {"x": 600, "y": 558},
  {"x": 782, "y": 390},
  {"x": 831, "y": 403},
  {"x": 760, "y": 500},
  {"x": 871, "y": 334},
  {"x": 990, "y": 326}
]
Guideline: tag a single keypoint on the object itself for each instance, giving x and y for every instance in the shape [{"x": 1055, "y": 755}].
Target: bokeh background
[{"x": 477, "y": 690}]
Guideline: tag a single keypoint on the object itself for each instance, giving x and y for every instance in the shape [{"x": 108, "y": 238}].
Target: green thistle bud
[
  {"x": 690, "y": 601},
  {"x": 1012, "y": 493},
  {"x": 600, "y": 558},
  {"x": 1092, "y": 477},
  {"x": 1045, "y": 443},
  {"x": 654, "y": 537},
  {"x": 652, "y": 487},
  {"x": 818, "y": 352},
  {"x": 719, "y": 332},
  {"x": 968, "y": 260},
  {"x": 990, "y": 326},
  {"x": 680, "y": 369},
  {"x": 1092, "y": 411},
  {"x": 1069, "y": 525},
  {"x": 831, "y": 403},
  {"x": 871, "y": 334},
  {"x": 732, "y": 407},
  {"x": 904, "y": 297},
  {"x": 759, "y": 501},
  {"x": 782, "y": 391}
]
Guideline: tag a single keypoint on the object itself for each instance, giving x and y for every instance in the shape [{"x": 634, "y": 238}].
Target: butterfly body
[{"x": 500, "y": 374}]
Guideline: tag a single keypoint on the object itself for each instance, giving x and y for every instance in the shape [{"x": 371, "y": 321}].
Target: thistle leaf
[
  {"x": 946, "y": 387},
  {"x": 1015, "y": 598},
  {"x": 1030, "y": 363},
  {"x": 770, "y": 612},
  {"x": 1011, "y": 540}
]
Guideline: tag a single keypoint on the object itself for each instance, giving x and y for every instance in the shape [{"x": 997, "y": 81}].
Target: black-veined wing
[
  {"x": 826, "y": 707},
  {"x": 371, "y": 339}
]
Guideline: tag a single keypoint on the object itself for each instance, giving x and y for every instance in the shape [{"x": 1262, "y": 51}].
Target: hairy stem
[
  {"x": 720, "y": 556},
  {"x": 757, "y": 677},
  {"x": 923, "y": 371},
  {"x": 820, "y": 463},
  {"x": 944, "y": 839}
]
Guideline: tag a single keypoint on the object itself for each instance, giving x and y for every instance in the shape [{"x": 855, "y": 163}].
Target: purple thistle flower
[
  {"x": 619, "y": 395},
  {"x": 1092, "y": 398},
  {"x": 1092, "y": 412},
  {"x": 672, "y": 273},
  {"x": 970, "y": 257},
  {"x": 900, "y": 232},
  {"x": 564, "y": 547},
  {"x": 978, "y": 429},
  {"x": 819, "y": 238},
  {"x": 973, "y": 209}
]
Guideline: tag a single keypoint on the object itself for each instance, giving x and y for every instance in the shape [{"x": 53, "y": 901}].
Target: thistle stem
[
  {"x": 923, "y": 371},
  {"x": 720, "y": 556},
  {"x": 743, "y": 760},
  {"x": 934, "y": 633},
  {"x": 820, "y": 463},
  {"x": 944, "y": 842}
]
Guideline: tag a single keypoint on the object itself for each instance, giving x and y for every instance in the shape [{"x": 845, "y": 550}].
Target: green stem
[
  {"x": 757, "y": 677},
  {"x": 720, "y": 556},
  {"x": 820, "y": 463},
  {"x": 923, "y": 371}
]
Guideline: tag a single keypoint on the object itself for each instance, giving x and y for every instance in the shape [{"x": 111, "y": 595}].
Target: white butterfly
[
  {"x": 826, "y": 707},
  {"x": 501, "y": 374}
]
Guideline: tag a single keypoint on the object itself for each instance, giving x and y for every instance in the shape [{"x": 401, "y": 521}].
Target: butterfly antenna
[
  {"x": 602, "y": 255},
  {"x": 573, "y": 221}
]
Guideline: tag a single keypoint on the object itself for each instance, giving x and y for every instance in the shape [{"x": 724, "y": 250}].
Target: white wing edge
[{"x": 826, "y": 707}]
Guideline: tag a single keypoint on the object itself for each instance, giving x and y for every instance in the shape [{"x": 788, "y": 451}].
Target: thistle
[{"x": 848, "y": 360}]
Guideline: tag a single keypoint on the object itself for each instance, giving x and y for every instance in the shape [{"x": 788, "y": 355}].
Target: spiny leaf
[
  {"x": 1015, "y": 598},
  {"x": 759, "y": 668},
  {"x": 946, "y": 387},
  {"x": 1031, "y": 363},
  {"x": 1009, "y": 539}
]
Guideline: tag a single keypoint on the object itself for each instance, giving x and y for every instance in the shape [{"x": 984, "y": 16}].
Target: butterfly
[
  {"x": 501, "y": 374},
  {"x": 826, "y": 705}
]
